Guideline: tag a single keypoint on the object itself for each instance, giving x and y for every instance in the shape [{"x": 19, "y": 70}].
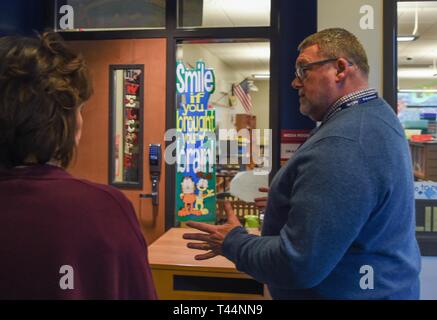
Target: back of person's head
[
  {"x": 42, "y": 85},
  {"x": 338, "y": 43}
]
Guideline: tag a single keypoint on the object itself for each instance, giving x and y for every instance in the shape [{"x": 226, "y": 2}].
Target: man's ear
[{"x": 342, "y": 69}]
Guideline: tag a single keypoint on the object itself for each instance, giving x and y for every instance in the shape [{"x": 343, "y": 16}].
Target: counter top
[{"x": 170, "y": 251}]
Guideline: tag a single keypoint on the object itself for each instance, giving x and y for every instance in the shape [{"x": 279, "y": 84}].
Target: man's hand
[
  {"x": 213, "y": 239},
  {"x": 261, "y": 202}
]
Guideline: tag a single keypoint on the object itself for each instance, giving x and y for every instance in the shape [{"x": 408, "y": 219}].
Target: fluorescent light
[
  {"x": 419, "y": 90},
  {"x": 407, "y": 38},
  {"x": 416, "y": 73},
  {"x": 261, "y": 76}
]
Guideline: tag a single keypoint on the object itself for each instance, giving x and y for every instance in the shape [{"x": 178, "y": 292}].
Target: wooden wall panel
[{"x": 92, "y": 158}]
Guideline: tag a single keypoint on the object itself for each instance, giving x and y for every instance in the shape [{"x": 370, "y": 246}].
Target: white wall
[
  {"x": 261, "y": 102},
  {"x": 346, "y": 14}
]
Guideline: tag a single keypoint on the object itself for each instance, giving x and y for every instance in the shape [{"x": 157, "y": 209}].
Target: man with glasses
[{"x": 339, "y": 222}]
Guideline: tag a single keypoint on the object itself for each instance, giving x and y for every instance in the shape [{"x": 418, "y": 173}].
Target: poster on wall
[
  {"x": 291, "y": 140},
  {"x": 132, "y": 124},
  {"x": 196, "y": 144}
]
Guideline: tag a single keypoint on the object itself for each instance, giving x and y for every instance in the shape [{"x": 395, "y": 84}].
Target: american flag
[{"x": 241, "y": 90}]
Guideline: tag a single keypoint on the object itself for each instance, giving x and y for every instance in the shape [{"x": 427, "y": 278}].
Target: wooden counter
[{"x": 178, "y": 276}]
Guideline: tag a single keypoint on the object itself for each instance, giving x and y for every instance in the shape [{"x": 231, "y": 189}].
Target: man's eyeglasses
[{"x": 300, "y": 70}]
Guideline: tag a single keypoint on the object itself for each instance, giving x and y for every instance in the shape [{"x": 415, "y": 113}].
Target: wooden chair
[{"x": 241, "y": 208}]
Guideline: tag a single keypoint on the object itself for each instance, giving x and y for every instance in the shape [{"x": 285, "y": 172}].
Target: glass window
[
  {"x": 417, "y": 109},
  {"x": 126, "y": 125},
  {"x": 417, "y": 83},
  {"x": 223, "y": 90},
  {"x": 91, "y": 15},
  {"x": 223, "y": 13}
]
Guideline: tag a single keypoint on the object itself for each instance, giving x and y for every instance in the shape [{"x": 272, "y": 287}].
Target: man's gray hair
[{"x": 338, "y": 43}]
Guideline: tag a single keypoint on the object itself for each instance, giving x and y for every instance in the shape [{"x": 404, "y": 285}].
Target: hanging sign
[{"x": 196, "y": 146}]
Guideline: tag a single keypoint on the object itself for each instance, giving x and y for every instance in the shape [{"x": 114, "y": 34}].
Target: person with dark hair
[
  {"x": 339, "y": 221},
  {"x": 61, "y": 237}
]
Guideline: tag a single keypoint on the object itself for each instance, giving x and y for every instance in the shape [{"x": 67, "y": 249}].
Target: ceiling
[
  {"x": 246, "y": 58},
  {"x": 416, "y": 58},
  {"x": 233, "y": 13}
]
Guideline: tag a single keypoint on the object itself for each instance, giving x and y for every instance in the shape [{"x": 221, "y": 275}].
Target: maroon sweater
[{"x": 49, "y": 219}]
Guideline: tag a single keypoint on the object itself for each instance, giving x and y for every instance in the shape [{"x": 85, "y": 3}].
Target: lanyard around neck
[{"x": 354, "y": 102}]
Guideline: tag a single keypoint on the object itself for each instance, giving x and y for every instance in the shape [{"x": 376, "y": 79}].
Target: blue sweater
[{"x": 344, "y": 202}]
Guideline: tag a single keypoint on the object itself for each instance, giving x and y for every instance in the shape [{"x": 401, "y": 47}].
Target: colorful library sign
[{"x": 195, "y": 125}]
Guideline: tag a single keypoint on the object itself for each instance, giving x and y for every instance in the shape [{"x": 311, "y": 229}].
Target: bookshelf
[{"x": 424, "y": 156}]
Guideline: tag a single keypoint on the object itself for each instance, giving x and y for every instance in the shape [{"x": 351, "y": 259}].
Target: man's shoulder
[{"x": 375, "y": 116}]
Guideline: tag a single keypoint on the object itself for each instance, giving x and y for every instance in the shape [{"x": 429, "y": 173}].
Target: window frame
[{"x": 112, "y": 117}]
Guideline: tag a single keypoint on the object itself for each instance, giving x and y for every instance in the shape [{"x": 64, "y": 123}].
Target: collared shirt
[
  {"x": 343, "y": 102},
  {"x": 353, "y": 96}
]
